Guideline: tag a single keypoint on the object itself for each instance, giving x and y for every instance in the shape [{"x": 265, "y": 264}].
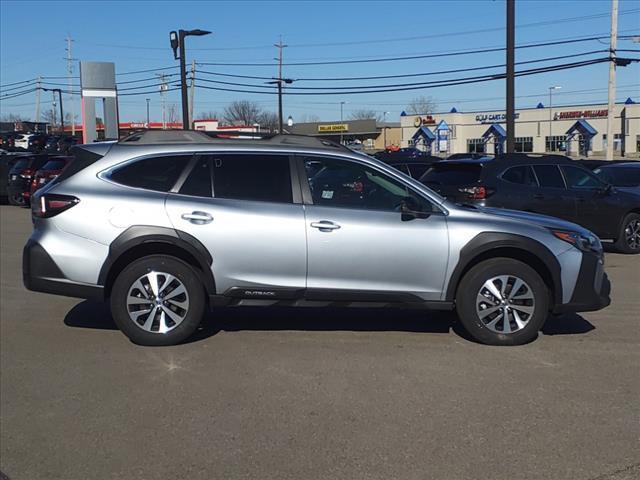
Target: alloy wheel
[
  {"x": 632, "y": 234},
  {"x": 157, "y": 302},
  {"x": 505, "y": 304}
]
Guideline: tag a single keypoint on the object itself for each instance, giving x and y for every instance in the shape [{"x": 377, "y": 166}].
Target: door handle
[
  {"x": 197, "y": 218},
  {"x": 325, "y": 225}
]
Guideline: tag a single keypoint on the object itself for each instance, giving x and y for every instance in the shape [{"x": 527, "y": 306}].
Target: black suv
[
  {"x": 411, "y": 161},
  {"x": 548, "y": 184}
]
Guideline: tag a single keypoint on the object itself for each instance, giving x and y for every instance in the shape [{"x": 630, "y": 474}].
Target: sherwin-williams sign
[
  {"x": 580, "y": 114},
  {"x": 336, "y": 127}
]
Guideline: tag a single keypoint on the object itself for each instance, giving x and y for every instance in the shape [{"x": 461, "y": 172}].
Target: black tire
[
  {"x": 629, "y": 237},
  {"x": 468, "y": 306},
  {"x": 16, "y": 200},
  {"x": 154, "y": 264}
]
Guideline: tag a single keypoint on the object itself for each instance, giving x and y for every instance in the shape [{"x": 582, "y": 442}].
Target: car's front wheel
[
  {"x": 502, "y": 301},
  {"x": 157, "y": 300}
]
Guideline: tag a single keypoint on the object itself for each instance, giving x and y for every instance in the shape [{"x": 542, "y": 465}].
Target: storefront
[
  {"x": 367, "y": 134},
  {"x": 573, "y": 130}
]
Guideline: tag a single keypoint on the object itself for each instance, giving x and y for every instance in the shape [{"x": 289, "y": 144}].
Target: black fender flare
[
  {"x": 138, "y": 235},
  {"x": 485, "y": 242}
]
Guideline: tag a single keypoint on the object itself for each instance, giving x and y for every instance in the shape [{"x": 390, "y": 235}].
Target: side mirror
[{"x": 411, "y": 209}]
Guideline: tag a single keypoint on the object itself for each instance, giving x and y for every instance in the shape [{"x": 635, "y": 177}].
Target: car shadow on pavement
[
  {"x": 95, "y": 315},
  {"x": 567, "y": 324}
]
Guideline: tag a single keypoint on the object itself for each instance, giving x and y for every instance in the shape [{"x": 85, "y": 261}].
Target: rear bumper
[
  {"x": 41, "y": 274},
  {"x": 593, "y": 288}
]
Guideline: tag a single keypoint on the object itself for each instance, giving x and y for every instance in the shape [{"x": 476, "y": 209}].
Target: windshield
[{"x": 619, "y": 176}]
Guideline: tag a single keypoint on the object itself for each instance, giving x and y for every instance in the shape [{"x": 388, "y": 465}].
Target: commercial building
[
  {"x": 369, "y": 133},
  {"x": 578, "y": 130}
]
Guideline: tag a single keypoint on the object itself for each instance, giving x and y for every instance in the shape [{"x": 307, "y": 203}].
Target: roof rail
[{"x": 158, "y": 137}]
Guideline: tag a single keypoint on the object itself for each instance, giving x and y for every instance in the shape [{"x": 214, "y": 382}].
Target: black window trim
[{"x": 308, "y": 198}]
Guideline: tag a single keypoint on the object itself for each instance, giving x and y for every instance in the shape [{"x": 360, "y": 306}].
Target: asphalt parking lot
[{"x": 305, "y": 394}]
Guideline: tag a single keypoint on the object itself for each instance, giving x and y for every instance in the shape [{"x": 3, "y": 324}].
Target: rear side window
[
  {"x": 549, "y": 176},
  {"x": 198, "y": 183},
  {"x": 153, "y": 173},
  {"x": 522, "y": 175},
  {"x": 452, "y": 174},
  {"x": 417, "y": 169},
  {"x": 579, "y": 178},
  {"x": 54, "y": 165},
  {"x": 258, "y": 177}
]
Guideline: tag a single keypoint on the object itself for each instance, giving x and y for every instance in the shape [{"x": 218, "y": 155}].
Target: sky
[{"x": 135, "y": 36}]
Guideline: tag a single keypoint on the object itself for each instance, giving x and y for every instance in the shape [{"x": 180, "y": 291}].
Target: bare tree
[
  {"x": 211, "y": 114},
  {"x": 421, "y": 105},
  {"x": 242, "y": 112},
  {"x": 364, "y": 114},
  {"x": 268, "y": 121},
  {"x": 172, "y": 113},
  {"x": 49, "y": 116},
  {"x": 12, "y": 117},
  {"x": 308, "y": 118}
]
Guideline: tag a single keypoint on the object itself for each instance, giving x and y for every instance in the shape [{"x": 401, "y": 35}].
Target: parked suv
[
  {"x": 21, "y": 175},
  {"x": 166, "y": 224},
  {"x": 546, "y": 184}
]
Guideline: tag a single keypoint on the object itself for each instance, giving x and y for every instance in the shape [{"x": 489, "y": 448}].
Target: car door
[
  {"x": 517, "y": 188},
  {"x": 359, "y": 243},
  {"x": 552, "y": 197},
  {"x": 243, "y": 208},
  {"x": 598, "y": 208}
]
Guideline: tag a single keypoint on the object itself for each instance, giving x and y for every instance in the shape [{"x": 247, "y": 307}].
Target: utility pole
[
  {"x": 341, "y": 131},
  {"x": 511, "y": 104},
  {"x": 70, "y": 60},
  {"x": 280, "y": 46},
  {"x": 612, "y": 79},
  {"x": 148, "y": 100},
  {"x": 163, "y": 89},
  {"x": 54, "y": 104},
  {"x": 38, "y": 87},
  {"x": 192, "y": 91}
]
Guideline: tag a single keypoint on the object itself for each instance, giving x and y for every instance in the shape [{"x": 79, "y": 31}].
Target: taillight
[
  {"x": 50, "y": 204},
  {"x": 476, "y": 193},
  {"x": 27, "y": 173}
]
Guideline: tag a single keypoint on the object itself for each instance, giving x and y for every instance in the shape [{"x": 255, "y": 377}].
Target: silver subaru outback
[{"x": 166, "y": 225}]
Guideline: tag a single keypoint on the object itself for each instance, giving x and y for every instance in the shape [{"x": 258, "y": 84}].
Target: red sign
[
  {"x": 580, "y": 114},
  {"x": 426, "y": 120}
]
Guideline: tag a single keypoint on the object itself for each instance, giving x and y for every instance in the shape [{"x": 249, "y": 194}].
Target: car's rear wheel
[
  {"x": 16, "y": 199},
  {"x": 502, "y": 301},
  {"x": 157, "y": 300},
  {"x": 629, "y": 237}
]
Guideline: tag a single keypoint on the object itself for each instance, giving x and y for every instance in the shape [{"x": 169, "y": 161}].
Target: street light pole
[
  {"x": 148, "y": 100},
  {"x": 177, "y": 43},
  {"x": 384, "y": 127},
  {"x": 511, "y": 104},
  {"x": 341, "y": 131},
  {"x": 551, "y": 89}
]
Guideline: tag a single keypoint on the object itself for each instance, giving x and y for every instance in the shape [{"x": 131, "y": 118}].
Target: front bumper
[
  {"x": 593, "y": 288},
  {"x": 41, "y": 274}
]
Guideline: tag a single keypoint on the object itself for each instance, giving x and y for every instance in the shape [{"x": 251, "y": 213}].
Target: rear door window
[
  {"x": 521, "y": 175},
  {"x": 152, "y": 173},
  {"x": 549, "y": 176},
  {"x": 257, "y": 177},
  {"x": 198, "y": 182},
  {"x": 452, "y": 174}
]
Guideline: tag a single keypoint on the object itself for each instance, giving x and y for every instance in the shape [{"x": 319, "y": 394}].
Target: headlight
[{"x": 586, "y": 243}]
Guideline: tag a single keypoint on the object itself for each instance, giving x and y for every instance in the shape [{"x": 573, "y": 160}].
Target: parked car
[
  {"x": 549, "y": 184},
  {"x": 463, "y": 156},
  {"x": 623, "y": 176},
  {"x": 7, "y": 160},
  {"x": 65, "y": 143},
  {"x": 22, "y": 140},
  {"x": 21, "y": 175},
  {"x": 411, "y": 161},
  {"x": 7, "y": 140},
  {"x": 48, "y": 172},
  {"x": 51, "y": 145},
  {"x": 36, "y": 142},
  {"x": 164, "y": 224}
]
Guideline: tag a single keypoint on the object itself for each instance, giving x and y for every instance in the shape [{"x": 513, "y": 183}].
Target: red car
[{"x": 48, "y": 172}]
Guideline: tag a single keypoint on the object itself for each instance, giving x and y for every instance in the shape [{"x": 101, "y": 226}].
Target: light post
[
  {"x": 148, "y": 100},
  {"x": 384, "y": 126},
  {"x": 177, "y": 43},
  {"x": 341, "y": 130},
  {"x": 551, "y": 89}
]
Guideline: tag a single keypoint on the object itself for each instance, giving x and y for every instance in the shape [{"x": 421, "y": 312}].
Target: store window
[
  {"x": 476, "y": 145},
  {"x": 617, "y": 142},
  {"x": 524, "y": 144},
  {"x": 556, "y": 143}
]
